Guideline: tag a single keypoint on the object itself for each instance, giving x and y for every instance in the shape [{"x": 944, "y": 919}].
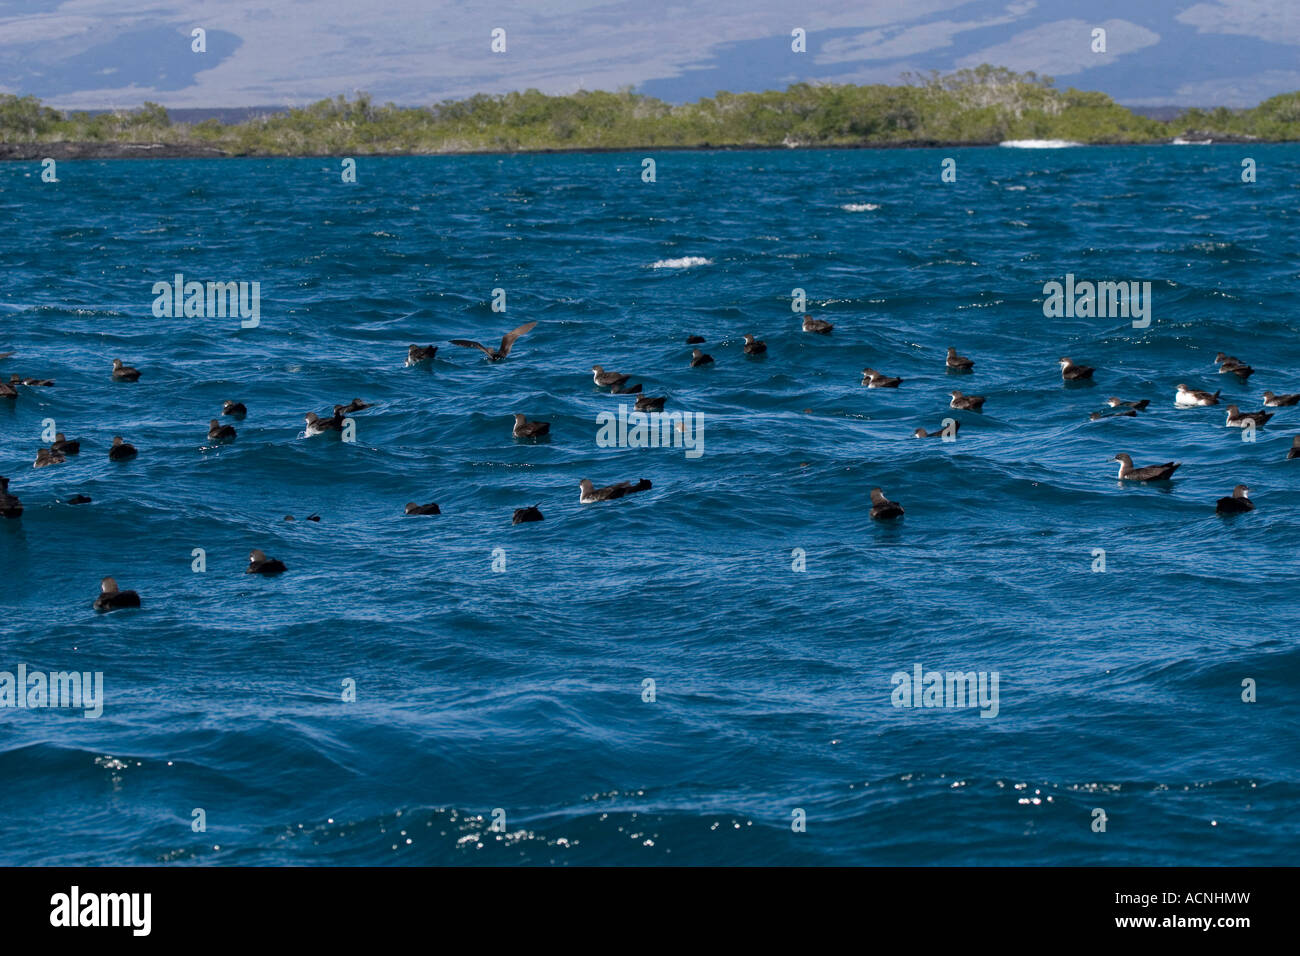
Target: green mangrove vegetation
[{"x": 975, "y": 106}]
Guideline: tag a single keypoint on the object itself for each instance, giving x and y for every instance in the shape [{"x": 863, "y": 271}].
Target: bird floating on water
[
  {"x": 1240, "y": 419},
  {"x": 588, "y": 492},
  {"x": 259, "y": 563},
  {"x": 507, "y": 342},
  {"x": 873, "y": 379},
  {"x": 124, "y": 373},
  {"x": 526, "y": 429},
  {"x": 1072, "y": 372},
  {"x": 958, "y": 363},
  {"x": 882, "y": 509},
  {"x": 1279, "y": 401},
  {"x": 1148, "y": 473},
  {"x": 111, "y": 598},
  {"x": 1190, "y": 397},
  {"x": 1237, "y": 503}
]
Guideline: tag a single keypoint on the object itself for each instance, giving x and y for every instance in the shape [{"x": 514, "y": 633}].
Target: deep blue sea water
[{"x": 522, "y": 689}]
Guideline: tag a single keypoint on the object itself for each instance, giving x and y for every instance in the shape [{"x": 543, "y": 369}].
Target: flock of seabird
[{"x": 112, "y": 598}]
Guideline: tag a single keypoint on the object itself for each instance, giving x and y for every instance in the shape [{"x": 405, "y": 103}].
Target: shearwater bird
[
  {"x": 1294, "y": 450},
  {"x": 882, "y": 508},
  {"x": 1240, "y": 419},
  {"x": 1140, "y": 404},
  {"x": 1149, "y": 473},
  {"x": 526, "y": 429},
  {"x": 10, "y": 506},
  {"x": 507, "y": 342},
  {"x": 234, "y": 409},
  {"x": 16, "y": 379},
  {"x": 820, "y": 326},
  {"x": 7, "y": 390},
  {"x": 1072, "y": 372},
  {"x": 430, "y": 509},
  {"x": 753, "y": 346},
  {"x": 695, "y": 340},
  {"x": 355, "y": 405},
  {"x": 120, "y": 450},
  {"x": 220, "y": 432},
  {"x": 938, "y": 432},
  {"x": 958, "y": 363},
  {"x": 421, "y": 354},
  {"x": 873, "y": 379},
  {"x": 259, "y": 563},
  {"x": 63, "y": 446},
  {"x": 1190, "y": 397},
  {"x": 698, "y": 358},
  {"x": 48, "y": 456},
  {"x": 610, "y": 379},
  {"x": 1278, "y": 401},
  {"x": 1239, "y": 502},
  {"x": 589, "y": 492},
  {"x": 1228, "y": 363},
  {"x": 974, "y": 403},
  {"x": 645, "y": 403},
  {"x": 111, "y": 598},
  {"x": 317, "y": 425},
  {"x": 124, "y": 373},
  {"x": 524, "y": 515}
]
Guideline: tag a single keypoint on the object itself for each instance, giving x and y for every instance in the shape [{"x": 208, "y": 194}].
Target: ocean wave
[
  {"x": 686, "y": 262},
  {"x": 860, "y": 206},
  {"x": 1039, "y": 143}
]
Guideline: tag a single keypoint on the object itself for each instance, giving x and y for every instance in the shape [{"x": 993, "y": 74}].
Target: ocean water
[{"x": 520, "y": 688}]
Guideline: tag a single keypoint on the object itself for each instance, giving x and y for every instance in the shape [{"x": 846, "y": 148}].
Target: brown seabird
[
  {"x": 124, "y": 373},
  {"x": 974, "y": 403},
  {"x": 882, "y": 508},
  {"x": 1149, "y": 473},
  {"x": 873, "y": 379},
  {"x": 1239, "y": 502},
  {"x": 112, "y": 599},
  {"x": 526, "y": 429},
  {"x": 1278, "y": 401},
  {"x": 1189, "y": 397},
  {"x": 1240, "y": 419},
  {"x": 259, "y": 563},
  {"x": 1070, "y": 372},
  {"x": 588, "y": 492},
  {"x": 120, "y": 450},
  {"x": 958, "y": 363},
  {"x": 507, "y": 342}
]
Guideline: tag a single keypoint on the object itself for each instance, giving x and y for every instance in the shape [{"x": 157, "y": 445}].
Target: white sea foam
[
  {"x": 1179, "y": 141},
  {"x": 860, "y": 206},
  {"x": 686, "y": 262},
  {"x": 1039, "y": 143}
]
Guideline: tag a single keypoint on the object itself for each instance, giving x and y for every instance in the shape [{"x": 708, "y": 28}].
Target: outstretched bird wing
[
  {"x": 467, "y": 344},
  {"x": 508, "y": 339}
]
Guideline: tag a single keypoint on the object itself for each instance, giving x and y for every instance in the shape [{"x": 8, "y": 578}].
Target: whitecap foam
[
  {"x": 860, "y": 206},
  {"x": 686, "y": 262},
  {"x": 1039, "y": 143}
]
